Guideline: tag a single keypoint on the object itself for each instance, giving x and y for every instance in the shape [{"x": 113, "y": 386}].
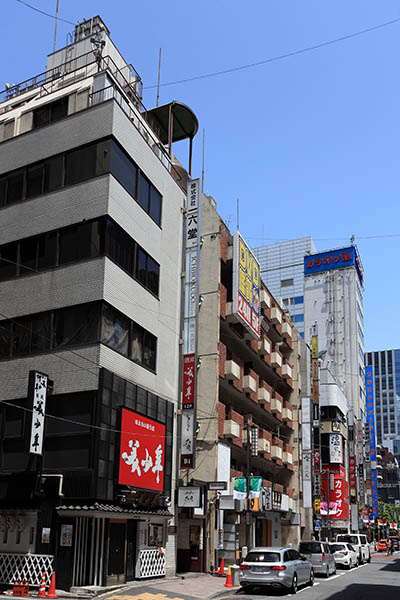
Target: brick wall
[
  {"x": 224, "y": 243},
  {"x": 222, "y": 301},
  {"x": 221, "y": 419},
  {"x": 222, "y": 359}
]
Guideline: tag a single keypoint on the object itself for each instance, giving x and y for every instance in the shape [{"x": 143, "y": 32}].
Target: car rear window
[
  {"x": 310, "y": 548},
  {"x": 336, "y": 547},
  {"x": 363, "y": 539},
  {"x": 263, "y": 557},
  {"x": 350, "y": 539}
]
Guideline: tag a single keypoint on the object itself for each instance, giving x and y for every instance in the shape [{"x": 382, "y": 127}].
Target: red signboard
[
  {"x": 188, "y": 386},
  {"x": 339, "y": 496},
  {"x": 352, "y": 471},
  {"x": 142, "y": 452},
  {"x": 317, "y": 461}
]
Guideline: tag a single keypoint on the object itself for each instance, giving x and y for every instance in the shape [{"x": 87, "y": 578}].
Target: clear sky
[{"x": 309, "y": 144}]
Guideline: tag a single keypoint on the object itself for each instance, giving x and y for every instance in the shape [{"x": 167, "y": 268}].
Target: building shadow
[
  {"x": 393, "y": 565},
  {"x": 366, "y": 591}
]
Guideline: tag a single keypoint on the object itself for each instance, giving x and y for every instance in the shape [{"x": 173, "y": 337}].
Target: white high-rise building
[
  {"x": 333, "y": 300},
  {"x": 282, "y": 269}
]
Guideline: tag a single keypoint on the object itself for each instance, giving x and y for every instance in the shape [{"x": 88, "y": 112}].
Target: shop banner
[
  {"x": 240, "y": 488},
  {"x": 246, "y": 285},
  {"x": 37, "y": 392}
]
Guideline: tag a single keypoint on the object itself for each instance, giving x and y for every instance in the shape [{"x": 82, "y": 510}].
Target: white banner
[
  {"x": 38, "y": 389},
  {"x": 335, "y": 448}
]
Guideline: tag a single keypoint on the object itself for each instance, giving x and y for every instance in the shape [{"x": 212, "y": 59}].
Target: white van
[{"x": 359, "y": 542}]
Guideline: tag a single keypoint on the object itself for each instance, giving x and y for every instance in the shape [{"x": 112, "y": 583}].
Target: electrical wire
[
  {"x": 42, "y": 12},
  {"x": 279, "y": 56}
]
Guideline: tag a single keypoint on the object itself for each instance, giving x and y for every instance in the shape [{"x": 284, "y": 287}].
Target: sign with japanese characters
[
  {"x": 38, "y": 383},
  {"x": 189, "y": 497},
  {"x": 142, "y": 452},
  {"x": 352, "y": 475},
  {"x": 338, "y": 498},
  {"x": 369, "y": 386},
  {"x": 335, "y": 448},
  {"x": 189, "y": 371},
  {"x": 187, "y": 439},
  {"x": 246, "y": 285},
  {"x": 333, "y": 259}
]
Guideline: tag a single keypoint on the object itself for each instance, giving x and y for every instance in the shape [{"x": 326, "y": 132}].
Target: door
[
  {"x": 195, "y": 558},
  {"x": 116, "y": 550},
  {"x": 131, "y": 549}
]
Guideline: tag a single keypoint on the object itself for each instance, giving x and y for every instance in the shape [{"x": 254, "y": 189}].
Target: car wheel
[
  {"x": 293, "y": 588},
  {"x": 334, "y": 572},
  {"x": 246, "y": 588},
  {"x": 369, "y": 558},
  {"x": 311, "y": 580},
  {"x": 327, "y": 572}
]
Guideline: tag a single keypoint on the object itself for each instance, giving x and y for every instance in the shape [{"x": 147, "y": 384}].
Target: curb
[{"x": 224, "y": 592}]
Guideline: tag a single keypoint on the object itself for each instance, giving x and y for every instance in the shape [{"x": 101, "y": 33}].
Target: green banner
[
  {"x": 240, "y": 488},
  {"x": 255, "y": 487}
]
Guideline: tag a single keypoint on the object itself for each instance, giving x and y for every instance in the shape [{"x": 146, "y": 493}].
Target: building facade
[
  {"x": 388, "y": 477},
  {"x": 248, "y": 379},
  {"x": 282, "y": 269},
  {"x": 386, "y": 371},
  {"x": 90, "y": 268}
]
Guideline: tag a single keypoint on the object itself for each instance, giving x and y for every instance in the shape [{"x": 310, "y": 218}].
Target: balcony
[
  {"x": 287, "y": 371},
  {"x": 276, "y": 359},
  {"x": 287, "y": 414},
  {"x": 265, "y": 299},
  {"x": 276, "y": 453},
  {"x": 287, "y": 458},
  {"x": 264, "y": 395},
  {"x": 232, "y": 370},
  {"x": 264, "y": 446},
  {"x": 264, "y": 346},
  {"x": 276, "y": 404},
  {"x": 249, "y": 384},
  {"x": 276, "y": 316},
  {"x": 231, "y": 430},
  {"x": 286, "y": 330}
]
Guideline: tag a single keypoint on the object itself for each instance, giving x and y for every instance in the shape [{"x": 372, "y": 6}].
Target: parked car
[
  {"x": 395, "y": 542},
  {"x": 381, "y": 545},
  {"x": 344, "y": 554},
  {"x": 277, "y": 567},
  {"x": 360, "y": 542},
  {"x": 320, "y": 556}
]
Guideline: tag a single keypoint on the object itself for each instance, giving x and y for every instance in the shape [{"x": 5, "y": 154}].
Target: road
[{"x": 378, "y": 580}]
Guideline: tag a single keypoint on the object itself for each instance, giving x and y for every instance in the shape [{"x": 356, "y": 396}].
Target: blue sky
[{"x": 308, "y": 144}]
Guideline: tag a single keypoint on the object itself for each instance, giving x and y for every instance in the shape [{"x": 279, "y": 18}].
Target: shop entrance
[
  {"x": 131, "y": 550},
  {"x": 116, "y": 552},
  {"x": 195, "y": 553}
]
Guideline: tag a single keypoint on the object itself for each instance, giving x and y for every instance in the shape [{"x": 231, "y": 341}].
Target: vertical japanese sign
[
  {"x": 338, "y": 498},
  {"x": 142, "y": 452},
  {"x": 315, "y": 418},
  {"x": 335, "y": 448},
  {"x": 246, "y": 285},
  {"x": 192, "y": 256},
  {"x": 372, "y": 444},
  {"x": 37, "y": 390}
]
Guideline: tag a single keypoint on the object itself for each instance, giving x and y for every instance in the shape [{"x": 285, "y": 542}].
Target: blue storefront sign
[
  {"x": 369, "y": 384},
  {"x": 333, "y": 259}
]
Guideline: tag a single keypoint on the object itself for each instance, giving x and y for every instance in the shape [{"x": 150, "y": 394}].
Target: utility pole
[
  {"x": 252, "y": 450},
  {"x": 55, "y": 27}
]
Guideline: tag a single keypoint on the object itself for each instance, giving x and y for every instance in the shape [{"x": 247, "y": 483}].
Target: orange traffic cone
[
  {"x": 221, "y": 570},
  {"x": 228, "y": 582},
  {"x": 42, "y": 589},
  {"x": 52, "y": 589}
]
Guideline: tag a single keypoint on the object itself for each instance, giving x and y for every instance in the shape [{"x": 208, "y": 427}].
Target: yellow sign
[
  {"x": 246, "y": 285},
  {"x": 317, "y": 505},
  {"x": 254, "y": 504},
  {"x": 314, "y": 346}
]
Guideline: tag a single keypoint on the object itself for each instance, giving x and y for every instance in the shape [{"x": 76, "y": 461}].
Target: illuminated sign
[
  {"x": 338, "y": 498},
  {"x": 369, "y": 385},
  {"x": 246, "y": 285},
  {"x": 333, "y": 259},
  {"x": 142, "y": 452}
]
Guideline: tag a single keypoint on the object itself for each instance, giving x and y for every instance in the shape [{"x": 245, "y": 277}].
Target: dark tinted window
[
  {"x": 34, "y": 180},
  {"x": 28, "y": 255},
  {"x": 8, "y": 260},
  {"x": 120, "y": 247},
  {"x": 41, "y": 332},
  {"x": 123, "y": 169},
  {"x": 53, "y": 173},
  {"x": 80, "y": 164},
  {"x": 22, "y": 336},
  {"x": 5, "y": 339},
  {"x": 115, "y": 330},
  {"x": 263, "y": 557},
  {"x": 351, "y": 539},
  {"x": 59, "y": 109},
  {"x": 294, "y": 555},
  {"x": 141, "y": 265},
  {"x": 15, "y": 187},
  {"x": 286, "y": 556},
  {"x": 153, "y": 274},
  {"x": 137, "y": 344},
  {"x": 144, "y": 192},
  {"x": 79, "y": 242},
  {"x": 47, "y": 250},
  {"x": 50, "y": 112},
  {"x": 3, "y": 191},
  {"x": 149, "y": 350},
  {"x": 76, "y": 325},
  {"x": 155, "y": 205},
  {"x": 310, "y": 548},
  {"x": 337, "y": 547}
]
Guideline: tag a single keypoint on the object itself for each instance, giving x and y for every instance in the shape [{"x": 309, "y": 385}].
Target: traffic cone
[
  {"x": 52, "y": 589},
  {"x": 221, "y": 570},
  {"x": 228, "y": 582},
  {"x": 42, "y": 589}
]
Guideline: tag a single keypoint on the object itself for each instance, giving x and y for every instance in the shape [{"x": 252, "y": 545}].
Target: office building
[
  {"x": 282, "y": 269},
  {"x": 90, "y": 267},
  {"x": 386, "y": 373}
]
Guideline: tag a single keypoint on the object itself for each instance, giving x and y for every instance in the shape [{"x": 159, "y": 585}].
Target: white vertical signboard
[
  {"x": 189, "y": 370},
  {"x": 38, "y": 383}
]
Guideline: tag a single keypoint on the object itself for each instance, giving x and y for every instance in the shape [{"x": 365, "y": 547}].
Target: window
[
  {"x": 299, "y": 299},
  {"x": 15, "y": 187},
  {"x": 79, "y": 242},
  {"x": 123, "y": 169},
  {"x": 76, "y": 325},
  {"x": 149, "y": 350},
  {"x": 298, "y": 318},
  {"x": 53, "y": 111},
  {"x": 53, "y": 173},
  {"x": 5, "y": 339},
  {"x": 155, "y": 205},
  {"x": 287, "y": 282},
  {"x": 141, "y": 265},
  {"x": 47, "y": 251},
  {"x": 115, "y": 330},
  {"x": 31, "y": 334},
  {"x": 263, "y": 557},
  {"x": 80, "y": 164},
  {"x": 28, "y": 255},
  {"x": 144, "y": 192},
  {"x": 153, "y": 273},
  {"x": 34, "y": 180},
  {"x": 120, "y": 247},
  {"x": 149, "y": 198},
  {"x": 8, "y": 260}
]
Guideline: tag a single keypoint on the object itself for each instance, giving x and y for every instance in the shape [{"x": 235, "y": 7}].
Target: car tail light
[
  {"x": 344, "y": 552},
  {"x": 323, "y": 556},
  {"x": 278, "y": 568},
  {"x": 244, "y": 567}
]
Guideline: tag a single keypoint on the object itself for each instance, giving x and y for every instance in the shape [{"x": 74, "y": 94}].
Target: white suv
[{"x": 360, "y": 544}]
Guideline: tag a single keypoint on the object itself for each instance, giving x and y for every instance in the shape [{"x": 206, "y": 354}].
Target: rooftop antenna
[
  {"x": 237, "y": 214},
  {"x": 55, "y": 27},
  {"x": 158, "y": 83},
  {"x": 352, "y": 240},
  {"x": 202, "y": 162}
]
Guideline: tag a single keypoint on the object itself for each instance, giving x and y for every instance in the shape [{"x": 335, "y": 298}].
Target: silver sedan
[{"x": 277, "y": 567}]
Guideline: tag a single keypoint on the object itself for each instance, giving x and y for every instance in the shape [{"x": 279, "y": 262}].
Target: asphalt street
[{"x": 378, "y": 580}]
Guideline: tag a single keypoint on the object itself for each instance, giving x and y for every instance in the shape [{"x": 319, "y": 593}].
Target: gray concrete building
[{"x": 90, "y": 267}]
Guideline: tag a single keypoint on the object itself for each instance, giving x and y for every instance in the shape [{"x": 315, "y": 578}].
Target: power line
[
  {"x": 280, "y": 56},
  {"x": 42, "y": 12}
]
